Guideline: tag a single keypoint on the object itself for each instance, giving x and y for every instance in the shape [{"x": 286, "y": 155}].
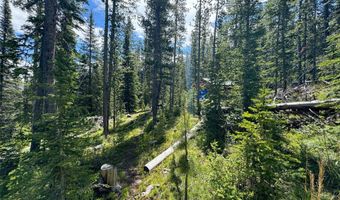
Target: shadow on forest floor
[{"x": 133, "y": 152}]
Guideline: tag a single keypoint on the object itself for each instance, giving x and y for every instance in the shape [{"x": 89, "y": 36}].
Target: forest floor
[{"x": 131, "y": 145}]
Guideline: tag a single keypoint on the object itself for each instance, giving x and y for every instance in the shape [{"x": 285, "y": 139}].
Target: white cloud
[
  {"x": 97, "y": 30},
  {"x": 100, "y": 5},
  {"x": 19, "y": 17},
  {"x": 189, "y": 20},
  {"x": 136, "y": 13}
]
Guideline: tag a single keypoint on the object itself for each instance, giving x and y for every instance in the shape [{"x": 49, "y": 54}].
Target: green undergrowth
[
  {"x": 132, "y": 144},
  {"x": 168, "y": 178}
]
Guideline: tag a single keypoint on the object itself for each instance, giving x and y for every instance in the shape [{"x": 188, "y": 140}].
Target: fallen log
[
  {"x": 157, "y": 160},
  {"x": 305, "y": 104}
]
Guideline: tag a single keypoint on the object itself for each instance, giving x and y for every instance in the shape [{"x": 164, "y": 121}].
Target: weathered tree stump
[{"x": 109, "y": 174}]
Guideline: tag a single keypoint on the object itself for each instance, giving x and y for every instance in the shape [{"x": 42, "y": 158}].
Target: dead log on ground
[
  {"x": 156, "y": 161},
  {"x": 300, "y": 105}
]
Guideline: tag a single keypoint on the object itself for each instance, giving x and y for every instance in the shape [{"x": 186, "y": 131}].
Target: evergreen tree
[
  {"x": 89, "y": 80},
  {"x": 278, "y": 44},
  {"x": 45, "y": 74},
  {"x": 10, "y": 95},
  {"x": 157, "y": 19},
  {"x": 130, "y": 79},
  {"x": 56, "y": 164},
  {"x": 262, "y": 145},
  {"x": 215, "y": 121},
  {"x": 329, "y": 66},
  {"x": 8, "y": 61},
  {"x": 106, "y": 77},
  {"x": 246, "y": 15},
  {"x": 198, "y": 71},
  {"x": 178, "y": 31}
]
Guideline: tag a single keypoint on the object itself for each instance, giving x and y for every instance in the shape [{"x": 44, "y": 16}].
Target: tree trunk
[
  {"x": 325, "y": 15},
  {"x": 283, "y": 44},
  {"x": 105, "y": 73},
  {"x": 199, "y": 59},
  {"x": 314, "y": 46},
  {"x": 157, "y": 65},
  {"x": 43, "y": 103},
  {"x": 304, "y": 48},
  {"x": 2, "y": 74},
  {"x": 112, "y": 58},
  {"x": 299, "y": 48},
  {"x": 173, "y": 70},
  {"x": 90, "y": 64}
]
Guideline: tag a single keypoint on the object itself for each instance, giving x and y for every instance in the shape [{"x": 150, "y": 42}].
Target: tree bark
[
  {"x": 173, "y": 70},
  {"x": 111, "y": 61},
  {"x": 157, "y": 65},
  {"x": 199, "y": 59},
  {"x": 304, "y": 47},
  {"x": 44, "y": 103},
  {"x": 90, "y": 63},
  {"x": 105, "y": 73},
  {"x": 314, "y": 46},
  {"x": 299, "y": 48},
  {"x": 283, "y": 44}
]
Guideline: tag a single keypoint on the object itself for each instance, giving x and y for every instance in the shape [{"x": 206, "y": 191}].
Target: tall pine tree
[{"x": 130, "y": 79}]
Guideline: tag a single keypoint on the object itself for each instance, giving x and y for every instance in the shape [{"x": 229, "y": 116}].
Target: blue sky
[{"x": 97, "y": 6}]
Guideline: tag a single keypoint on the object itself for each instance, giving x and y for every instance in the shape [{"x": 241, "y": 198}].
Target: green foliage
[
  {"x": 89, "y": 78},
  {"x": 262, "y": 144},
  {"x": 227, "y": 175},
  {"x": 320, "y": 142},
  {"x": 215, "y": 127},
  {"x": 130, "y": 76},
  {"x": 330, "y": 67}
]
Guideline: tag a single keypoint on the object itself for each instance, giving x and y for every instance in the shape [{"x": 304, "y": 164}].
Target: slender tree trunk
[
  {"x": 199, "y": 60},
  {"x": 304, "y": 47},
  {"x": 277, "y": 56},
  {"x": 214, "y": 59},
  {"x": 173, "y": 70},
  {"x": 157, "y": 66},
  {"x": 186, "y": 125},
  {"x": 43, "y": 103},
  {"x": 300, "y": 78},
  {"x": 283, "y": 44},
  {"x": 5, "y": 27},
  {"x": 111, "y": 61},
  {"x": 247, "y": 68},
  {"x": 215, "y": 35},
  {"x": 326, "y": 14},
  {"x": 105, "y": 73},
  {"x": 2, "y": 74},
  {"x": 314, "y": 46},
  {"x": 90, "y": 64}
]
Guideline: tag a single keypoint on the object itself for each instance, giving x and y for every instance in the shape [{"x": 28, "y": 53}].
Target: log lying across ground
[
  {"x": 156, "y": 161},
  {"x": 305, "y": 104}
]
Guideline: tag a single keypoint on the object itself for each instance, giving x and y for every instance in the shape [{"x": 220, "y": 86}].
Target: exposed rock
[
  {"x": 138, "y": 182},
  {"x": 147, "y": 191},
  {"x": 166, "y": 170}
]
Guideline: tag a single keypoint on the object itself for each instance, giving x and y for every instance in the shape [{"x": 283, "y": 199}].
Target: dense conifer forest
[{"x": 170, "y": 99}]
